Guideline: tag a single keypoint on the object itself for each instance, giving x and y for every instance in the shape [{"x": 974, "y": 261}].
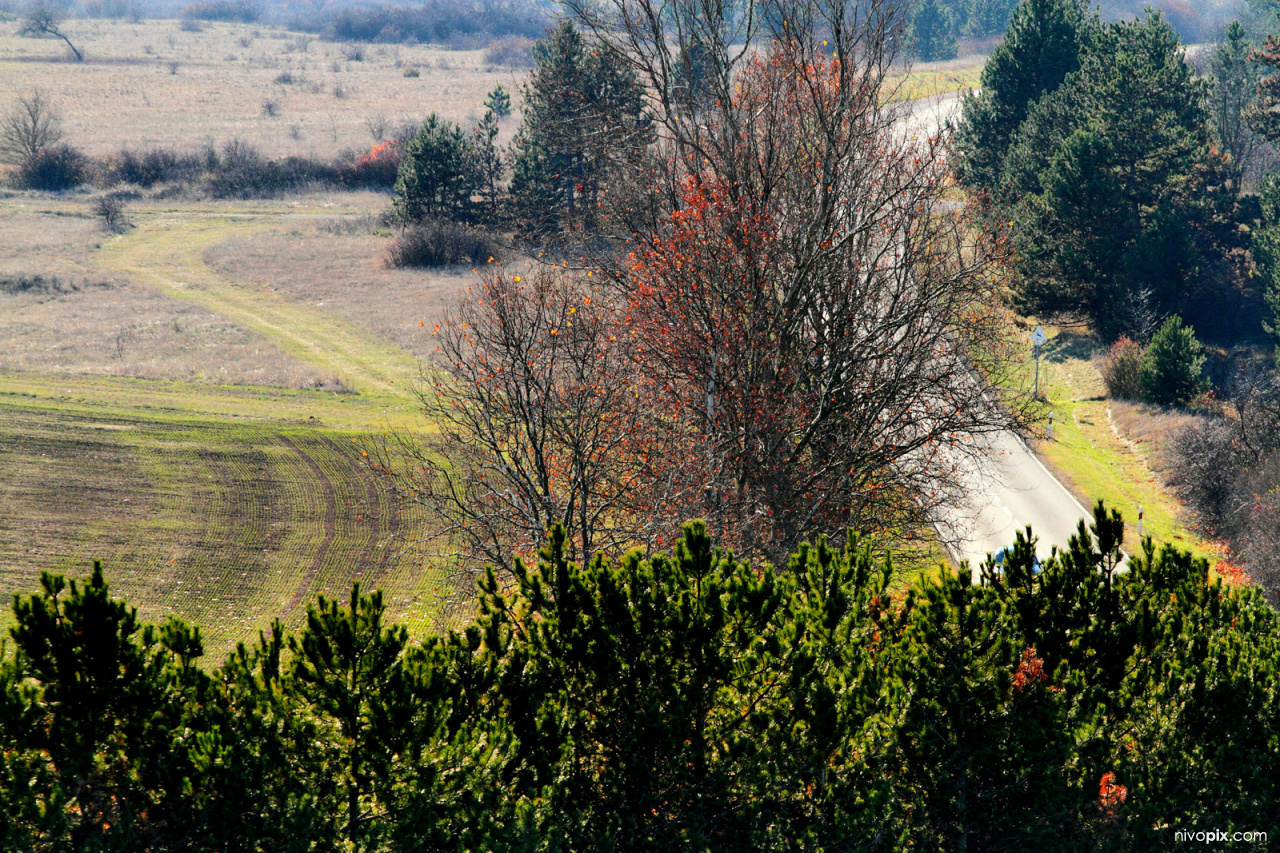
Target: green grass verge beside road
[{"x": 1093, "y": 461}]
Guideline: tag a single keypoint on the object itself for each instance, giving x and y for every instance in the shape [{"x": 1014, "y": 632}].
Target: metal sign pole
[
  {"x": 1038, "y": 339},
  {"x": 1037, "y": 392}
]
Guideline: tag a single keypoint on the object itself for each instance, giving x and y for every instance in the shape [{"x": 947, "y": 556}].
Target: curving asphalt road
[{"x": 1005, "y": 487}]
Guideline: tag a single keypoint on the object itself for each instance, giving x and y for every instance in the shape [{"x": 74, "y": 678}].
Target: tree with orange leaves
[{"x": 802, "y": 293}]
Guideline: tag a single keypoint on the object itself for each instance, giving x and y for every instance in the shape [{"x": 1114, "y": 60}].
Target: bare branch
[{"x": 31, "y": 125}]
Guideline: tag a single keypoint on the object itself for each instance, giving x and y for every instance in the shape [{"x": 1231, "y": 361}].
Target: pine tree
[
  {"x": 986, "y": 18},
  {"x": 437, "y": 176},
  {"x": 583, "y": 120},
  {"x": 1042, "y": 45},
  {"x": 1235, "y": 76},
  {"x": 933, "y": 32},
  {"x": 498, "y": 102},
  {"x": 348, "y": 668},
  {"x": 1171, "y": 369},
  {"x": 1118, "y": 190},
  {"x": 489, "y": 163}
]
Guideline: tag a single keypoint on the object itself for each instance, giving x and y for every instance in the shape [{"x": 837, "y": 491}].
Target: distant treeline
[
  {"x": 236, "y": 170},
  {"x": 463, "y": 23},
  {"x": 458, "y": 23}
]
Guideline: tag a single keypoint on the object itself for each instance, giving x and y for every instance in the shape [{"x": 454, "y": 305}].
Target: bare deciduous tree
[
  {"x": 44, "y": 18},
  {"x": 807, "y": 328},
  {"x": 804, "y": 286},
  {"x": 32, "y": 125},
  {"x": 537, "y": 423}
]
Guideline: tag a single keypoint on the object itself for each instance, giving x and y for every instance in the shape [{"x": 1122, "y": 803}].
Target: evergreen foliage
[
  {"x": 437, "y": 176},
  {"x": 933, "y": 32},
  {"x": 498, "y": 102},
  {"x": 1170, "y": 374},
  {"x": 936, "y": 26},
  {"x": 583, "y": 121},
  {"x": 1234, "y": 76},
  {"x": 1265, "y": 247},
  {"x": 1042, "y": 45},
  {"x": 489, "y": 163},
  {"x": 678, "y": 701},
  {"x": 1123, "y": 202}
]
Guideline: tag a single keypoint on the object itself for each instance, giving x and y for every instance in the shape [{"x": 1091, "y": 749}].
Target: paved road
[{"x": 1006, "y": 487}]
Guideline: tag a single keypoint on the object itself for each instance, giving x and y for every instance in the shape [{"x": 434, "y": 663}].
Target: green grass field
[
  {"x": 228, "y": 524},
  {"x": 225, "y": 504}
]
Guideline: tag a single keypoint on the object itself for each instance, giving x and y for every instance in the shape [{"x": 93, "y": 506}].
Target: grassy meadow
[
  {"x": 188, "y": 400},
  {"x": 153, "y": 83}
]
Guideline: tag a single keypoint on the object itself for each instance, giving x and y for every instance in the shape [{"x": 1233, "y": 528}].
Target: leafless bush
[
  {"x": 32, "y": 124},
  {"x": 510, "y": 52},
  {"x": 1227, "y": 471},
  {"x": 1207, "y": 465},
  {"x": 110, "y": 208},
  {"x": 378, "y": 126},
  {"x": 533, "y": 426},
  {"x": 440, "y": 243}
]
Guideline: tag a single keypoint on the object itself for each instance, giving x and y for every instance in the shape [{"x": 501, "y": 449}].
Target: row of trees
[
  {"x": 937, "y": 26},
  {"x": 684, "y": 701},
  {"x": 1095, "y": 142},
  {"x": 583, "y": 119},
  {"x": 766, "y": 309}
]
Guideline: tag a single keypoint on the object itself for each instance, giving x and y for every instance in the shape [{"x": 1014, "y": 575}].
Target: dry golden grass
[
  {"x": 154, "y": 84},
  {"x": 107, "y": 316},
  {"x": 1149, "y": 429},
  {"x": 345, "y": 275},
  {"x": 95, "y": 321}
]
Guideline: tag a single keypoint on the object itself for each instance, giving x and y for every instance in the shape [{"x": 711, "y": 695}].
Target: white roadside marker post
[{"x": 1139, "y": 522}]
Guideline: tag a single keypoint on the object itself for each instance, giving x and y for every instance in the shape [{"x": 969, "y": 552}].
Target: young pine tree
[
  {"x": 437, "y": 177},
  {"x": 1170, "y": 373},
  {"x": 498, "y": 102}
]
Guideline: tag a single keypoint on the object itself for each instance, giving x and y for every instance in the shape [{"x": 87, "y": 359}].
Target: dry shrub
[
  {"x": 511, "y": 52},
  {"x": 439, "y": 243},
  {"x": 375, "y": 169},
  {"x": 1121, "y": 369},
  {"x": 53, "y": 169}
]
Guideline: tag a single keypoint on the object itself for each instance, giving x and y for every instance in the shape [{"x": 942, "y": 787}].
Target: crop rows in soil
[{"x": 227, "y": 525}]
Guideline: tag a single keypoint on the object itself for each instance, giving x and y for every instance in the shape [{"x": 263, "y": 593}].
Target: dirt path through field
[{"x": 166, "y": 253}]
